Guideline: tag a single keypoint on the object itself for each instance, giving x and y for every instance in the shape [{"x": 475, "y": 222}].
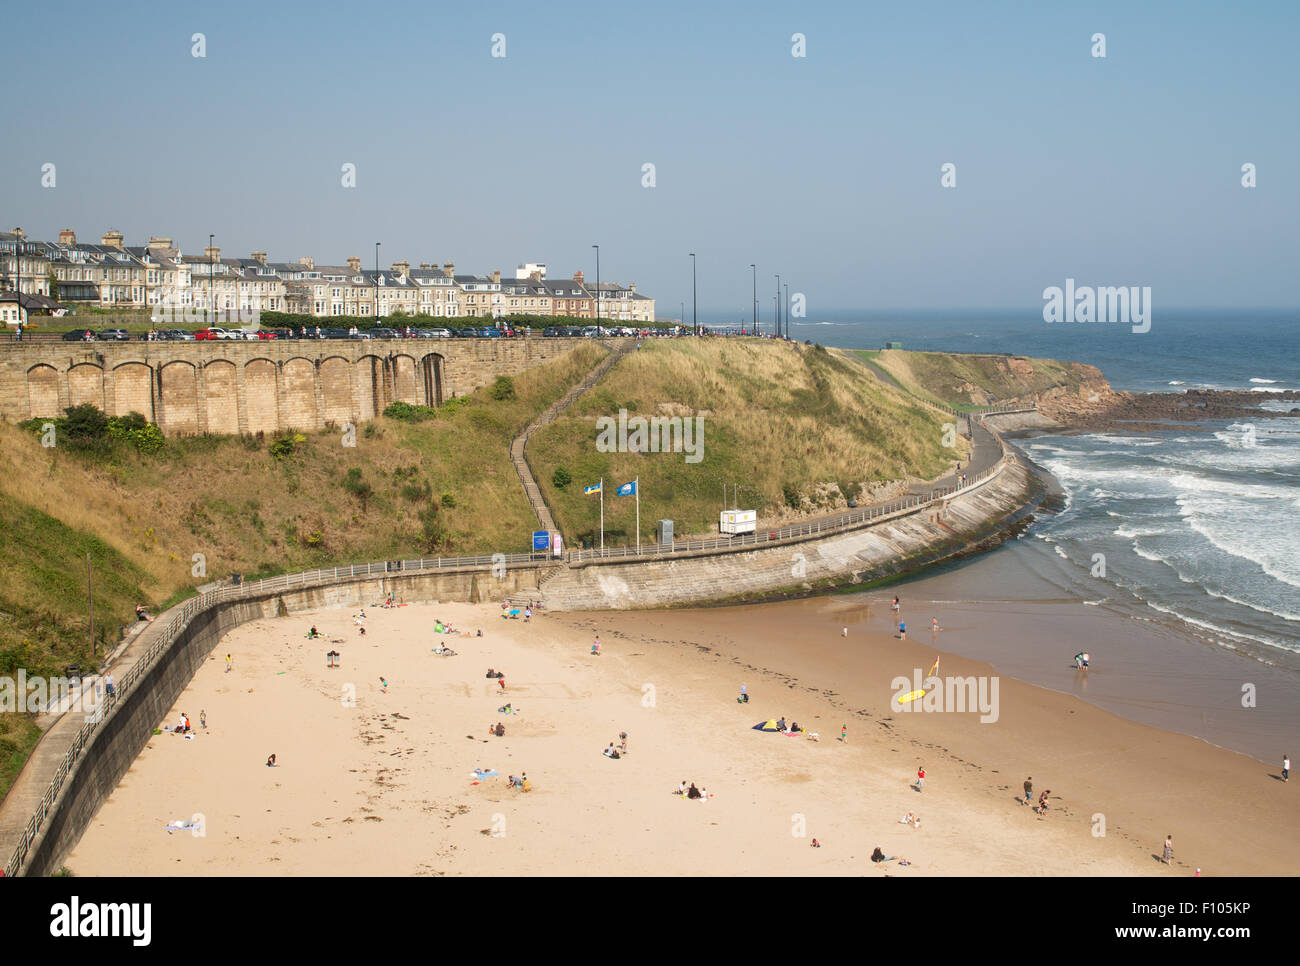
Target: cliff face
[{"x": 1086, "y": 397}]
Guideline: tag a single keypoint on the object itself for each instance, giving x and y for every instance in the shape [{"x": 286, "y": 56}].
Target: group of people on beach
[
  {"x": 620, "y": 751},
  {"x": 688, "y": 790}
]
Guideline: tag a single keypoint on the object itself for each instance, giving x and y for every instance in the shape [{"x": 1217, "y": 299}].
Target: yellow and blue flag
[{"x": 594, "y": 488}]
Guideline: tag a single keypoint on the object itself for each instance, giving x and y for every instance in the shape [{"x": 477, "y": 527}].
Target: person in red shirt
[{"x": 920, "y": 778}]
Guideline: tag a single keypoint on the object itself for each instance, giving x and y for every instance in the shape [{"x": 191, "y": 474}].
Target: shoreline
[{"x": 384, "y": 787}]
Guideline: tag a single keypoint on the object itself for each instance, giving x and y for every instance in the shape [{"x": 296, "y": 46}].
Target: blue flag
[{"x": 627, "y": 489}]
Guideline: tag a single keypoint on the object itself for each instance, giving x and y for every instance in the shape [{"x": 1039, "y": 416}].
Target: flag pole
[
  {"x": 638, "y": 514},
  {"x": 602, "y": 513}
]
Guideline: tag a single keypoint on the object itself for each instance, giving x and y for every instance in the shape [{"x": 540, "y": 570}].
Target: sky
[{"x": 825, "y": 168}]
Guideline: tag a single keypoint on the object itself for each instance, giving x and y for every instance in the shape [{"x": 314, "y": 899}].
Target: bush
[
  {"x": 502, "y": 389},
  {"x": 408, "y": 413},
  {"x": 286, "y": 445},
  {"x": 448, "y": 500},
  {"x": 434, "y": 533},
  {"x": 358, "y": 487},
  {"x": 84, "y": 424},
  {"x": 791, "y": 494},
  {"x": 416, "y": 491},
  {"x": 561, "y": 478}
]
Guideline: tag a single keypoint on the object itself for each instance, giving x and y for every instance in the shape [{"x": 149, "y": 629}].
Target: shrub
[
  {"x": 416, "y": 491},
  {"x": 84, "y": 424},
  {"x": 791, "y": 494},
  {"x": 286, "y": 445},
  {"x": 561, "y": 478},
  {"x": 358, "y": 487},
  {"x": 502, "y": 389},
  {"x": 408, "y": 413},
  {"x": 448, "y": 500}
]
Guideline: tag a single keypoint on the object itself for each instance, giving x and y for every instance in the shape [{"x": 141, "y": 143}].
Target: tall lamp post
[
  {"x": 787, "y": 308},
  {"x": 211, "y": 269},
  {"x": 695, "y": 325},
  {"x": 778, "y": 306},
  {"x": 597, "y": 247},
  {"x": 376, "y": 283},
  {"x": 755, "y": 271}
]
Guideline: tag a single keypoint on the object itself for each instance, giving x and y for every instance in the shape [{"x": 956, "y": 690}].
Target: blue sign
[{"x": 541, "y": 540}]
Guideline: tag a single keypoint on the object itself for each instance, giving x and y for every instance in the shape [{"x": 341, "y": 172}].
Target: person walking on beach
[
  {"x": 902, "y": 631},
  {"x": 895, "y": 604},
  {"x": 920, "y": 779},
  {"x": 1286, "y": 767},
  {"x": 1029, "y": 791},
  {"x": 844, "y": 632},
  {"x": 229, "y": 660},
  {"x": 1169, "y": 850},
  {"x": 203, "y": 719},
  {"x": 844, "y": 733}
]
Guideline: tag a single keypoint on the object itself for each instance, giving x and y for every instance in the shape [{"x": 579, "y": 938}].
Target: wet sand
[{"x": 383, "y": 786}]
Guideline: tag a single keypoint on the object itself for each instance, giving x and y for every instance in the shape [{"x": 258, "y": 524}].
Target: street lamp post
[
  {"x": 597, "y": 247},
  {"x": 778, "y": 306},
  {"x": 755, "y": 271},
  {"x": 376, "y": 283},
  {"x": 787, "y": 308},
  {"x": 695, "y": 325},
  {"x": 211, "y": 272}
]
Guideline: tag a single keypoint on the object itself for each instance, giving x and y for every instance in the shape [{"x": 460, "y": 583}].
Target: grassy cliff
[
  {"x": 800, "y": 429},
  {"x": 967, "y": 380}
]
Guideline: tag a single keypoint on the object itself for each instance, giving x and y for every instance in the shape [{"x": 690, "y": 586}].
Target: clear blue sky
[{"x": 1117, "y": 171}]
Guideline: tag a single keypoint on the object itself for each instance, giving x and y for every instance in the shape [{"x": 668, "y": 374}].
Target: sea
[{"x": 1187, "y": 536}]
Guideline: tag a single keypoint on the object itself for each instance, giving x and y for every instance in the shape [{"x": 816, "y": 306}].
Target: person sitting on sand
[
  {"x": 270, "y": 762},
  {"x": 611, "y": 751},
  {"x": 681, "y": 789},
  {"x": 692, "y": 792},
  {"x": 704, "y": 794},
  {"x": 362, "y": 630},
  {"x": 780, "y": 724},
  {"x": 501, "y": 681},
  {"x": 512, "y": 780},
  {"x": 313, "y": 633},
  {"x": 744, "y": 696},
  {"x": 794, "y": 727},
  {"x": 910, "y": 819},
  {"x": 499, "y": 730},
  {"x": 879, "y": 856}
]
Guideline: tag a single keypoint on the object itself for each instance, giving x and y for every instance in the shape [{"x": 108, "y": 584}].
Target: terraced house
[{"x": 113, "y": 274}]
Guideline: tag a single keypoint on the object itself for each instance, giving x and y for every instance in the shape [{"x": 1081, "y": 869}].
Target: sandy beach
[{"x": 383, "y": 785}]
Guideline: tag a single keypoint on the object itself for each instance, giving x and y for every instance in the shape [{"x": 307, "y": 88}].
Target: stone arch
[
  {"x": 42, "y": 391},
  {"x": 298, "y": 386},
  {"x": 432, "y": 370},
  {"x": 179, "y": 398},
  {"x": 261, "y": 396},
  {"x": 336, "y": 390},
  {"x": 370, "y": 387},
  {"x": 404, "y": 381},
  {"x": 132, "y": 390},
  {"x": 86, "y": 385},
  {"x": 221, "y": 386}
]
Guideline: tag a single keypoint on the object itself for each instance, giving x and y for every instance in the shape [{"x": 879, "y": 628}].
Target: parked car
[
  {"x": 178, "y": 335},
  {"x": 114, "y": 335},
  {"x": 79, "y": 335},
  {"x": 439, "y": 333},
  {"x": 384, "y": 334},
  {"x": 215, "y": 332}
]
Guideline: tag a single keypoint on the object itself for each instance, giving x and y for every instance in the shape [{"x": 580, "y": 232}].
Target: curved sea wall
[{"x": 79, "y": 764}]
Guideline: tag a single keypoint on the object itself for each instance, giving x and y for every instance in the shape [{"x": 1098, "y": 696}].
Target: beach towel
[
  {"x": 181, "y": 826},
  {"x": 479, "y": 773}
]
